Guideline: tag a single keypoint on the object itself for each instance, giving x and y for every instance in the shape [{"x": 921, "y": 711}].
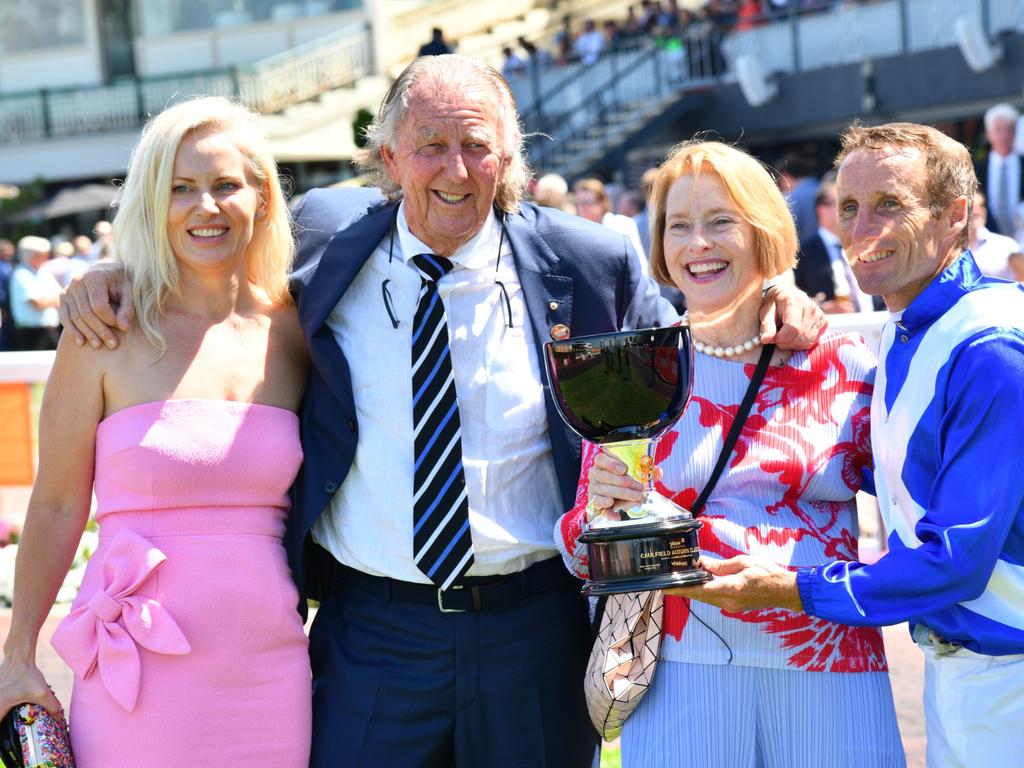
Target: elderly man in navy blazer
[
  {"x": 484, "y": 668},
  {"x": 448, "y": 631},
  {"x": 408, "y": 670}
]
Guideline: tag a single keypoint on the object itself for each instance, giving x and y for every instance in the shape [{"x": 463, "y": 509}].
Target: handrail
[
  {"x": 596, "y": 96},
  {"x": 601, "y": 100},
  {"x": 268, "y": 86},
  {"x": 572, "y": 75}
]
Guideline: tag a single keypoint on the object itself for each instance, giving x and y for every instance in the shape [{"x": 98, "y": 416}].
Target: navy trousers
[{"x": 401, "y": 683}]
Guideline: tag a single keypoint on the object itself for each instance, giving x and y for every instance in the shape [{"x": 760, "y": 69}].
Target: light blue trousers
[{"x": 709, "y": 716}]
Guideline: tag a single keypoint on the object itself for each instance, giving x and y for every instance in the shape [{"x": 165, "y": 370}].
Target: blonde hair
[
  {"x": 140, "y": 226},
  {"x": 467, "y": 76},
  {"x": 751, "y": 189}
]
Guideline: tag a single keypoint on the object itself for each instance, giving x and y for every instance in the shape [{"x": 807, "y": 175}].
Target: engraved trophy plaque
[{"x": 623, "y": 391}]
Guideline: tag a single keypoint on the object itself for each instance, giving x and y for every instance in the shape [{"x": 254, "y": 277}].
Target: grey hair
[
  {"x": 1002, "y": 111},
  {"x": 30, "y": 245},
  {"x": 466, "y": 75}
]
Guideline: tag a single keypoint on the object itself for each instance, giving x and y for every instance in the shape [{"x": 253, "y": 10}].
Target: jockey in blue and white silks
[{"x": 947, "y": 421}]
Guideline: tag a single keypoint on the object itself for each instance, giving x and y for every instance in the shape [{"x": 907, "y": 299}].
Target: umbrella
[{"x": 87, "y": 198}]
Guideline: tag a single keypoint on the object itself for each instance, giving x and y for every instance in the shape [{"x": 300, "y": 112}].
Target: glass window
[
  {"x": 164, "y": 17},
  {"x": 27, "y": 25}
]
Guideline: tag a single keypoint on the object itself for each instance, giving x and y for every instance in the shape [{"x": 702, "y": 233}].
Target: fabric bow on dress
[{"x": 105, "y": 631}]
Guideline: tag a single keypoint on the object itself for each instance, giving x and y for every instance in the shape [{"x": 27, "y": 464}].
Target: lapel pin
[{"x": 560, "y": 332}]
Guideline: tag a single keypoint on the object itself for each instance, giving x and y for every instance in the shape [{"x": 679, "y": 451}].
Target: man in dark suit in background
[
  {"x": 1001, "y": 173},
  {"x": 437, "y": 45},
  {"x": 822, "y": 270},
  {"x": 449, "y": 633}
]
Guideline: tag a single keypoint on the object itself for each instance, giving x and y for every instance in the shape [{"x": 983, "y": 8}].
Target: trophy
[{"x": 623, "y": 391}]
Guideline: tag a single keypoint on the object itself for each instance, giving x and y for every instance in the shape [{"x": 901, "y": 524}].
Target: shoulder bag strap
[{"x": 737, "y": 426}]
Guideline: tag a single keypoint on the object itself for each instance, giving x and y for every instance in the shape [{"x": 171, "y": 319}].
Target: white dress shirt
[
  {"x": 992, "y": 253},
  {"x": 626, "y": 226},
  {"x": 510, "y": 476},
  {"x": 842, "y": 275}
]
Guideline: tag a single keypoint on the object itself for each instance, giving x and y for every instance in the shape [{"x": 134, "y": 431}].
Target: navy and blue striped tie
[{"x": 442, "y": 545}]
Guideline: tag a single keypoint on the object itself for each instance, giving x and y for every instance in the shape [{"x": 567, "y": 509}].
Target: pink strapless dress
[{"x": 185, "y": 641}]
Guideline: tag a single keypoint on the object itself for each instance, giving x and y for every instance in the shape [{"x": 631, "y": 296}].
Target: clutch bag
[{"x": 30, "y": 737}]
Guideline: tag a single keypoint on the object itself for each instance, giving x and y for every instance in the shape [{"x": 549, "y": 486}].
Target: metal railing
[
  {"x": 583, "y": 113},
  {"x": 852, "y": 32},
  {"x": 591, "y": 110},
  {"x": 268, "y": 86}
]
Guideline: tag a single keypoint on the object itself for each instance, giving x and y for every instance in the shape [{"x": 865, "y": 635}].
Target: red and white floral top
[{"x": 786, "y": 494}]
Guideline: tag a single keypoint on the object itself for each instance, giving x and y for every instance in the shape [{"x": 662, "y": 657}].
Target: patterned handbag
[
  {"x": 623, "y": 660},
  {"x": 625, "y": 653},
  {"x": 31, "y": 738}
]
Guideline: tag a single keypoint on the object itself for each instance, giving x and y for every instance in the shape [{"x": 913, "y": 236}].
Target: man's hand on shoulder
[
  {"x": 790, "y": 319},
  {"x": 97, "y": 303}
]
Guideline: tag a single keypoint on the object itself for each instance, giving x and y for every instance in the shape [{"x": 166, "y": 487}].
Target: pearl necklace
[
  {"x": 707, "y": 349},
  {"x": 739, "y": 349}
]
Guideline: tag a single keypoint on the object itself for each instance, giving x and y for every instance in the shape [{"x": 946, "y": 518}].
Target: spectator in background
[
  {"x": 564, "y": 40},
  {"x": 670, "y": 17},
  {"x": 1001, "y": 174},
  {"x": 798, "y": 184},
  {"x": 6, "y": 269},
  {"x": 631, "y": 27},
  {"x": 642, "y": 219},
  {"x": 991, "y": 250},
  {"x": 590, "y": 44},
  {"x": 514, "y": 65},
  {"x": 613, "y": 34},
  {"x": 822, "y": 270},
  {"x": 34, "y": 296},
  {"x": 1016, "y": 263},
  {"x": 703, "y": 36},
  {"x": 83, "y": 248},
  {"x": 103, "y": 245},
  {"x": 437, "y": 45},
  {"x": 591, "y": 200},
  {"x": 749, "y": 15},
  {"x": 552, "y": 190},
  {"x": 631, "y": 204},
  {"x": 65, "y": 264},
  {"x": 537, "y": 57}
]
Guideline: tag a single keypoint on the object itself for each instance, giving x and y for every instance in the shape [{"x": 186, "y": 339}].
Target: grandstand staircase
[{"x": 591, "y": 114}]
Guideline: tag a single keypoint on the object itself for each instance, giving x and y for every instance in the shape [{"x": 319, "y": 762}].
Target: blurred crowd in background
[{"x": 33, "y": 272}]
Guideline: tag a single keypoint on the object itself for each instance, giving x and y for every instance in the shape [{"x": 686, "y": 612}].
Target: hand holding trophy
[{"x": 623, "y": 391}]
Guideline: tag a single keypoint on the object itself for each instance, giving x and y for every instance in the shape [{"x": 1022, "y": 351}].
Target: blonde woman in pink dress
[{"x": 185, "y": 641}]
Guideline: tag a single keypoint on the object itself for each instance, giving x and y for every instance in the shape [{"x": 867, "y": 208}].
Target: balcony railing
[
  {"x": 576, "y": 114},
  {"x": 853, "y": 32},
  {"x": 268, "y": 86}
]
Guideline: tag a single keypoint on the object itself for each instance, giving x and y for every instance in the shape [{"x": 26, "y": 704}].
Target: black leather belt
[{"x": 478, "y": 593}]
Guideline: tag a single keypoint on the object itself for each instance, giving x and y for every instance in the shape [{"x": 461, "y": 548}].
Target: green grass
[{"x": 610, "y": 756}]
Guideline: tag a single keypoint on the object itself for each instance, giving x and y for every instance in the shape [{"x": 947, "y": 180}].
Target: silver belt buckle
[{"x": 440, "y": 600}]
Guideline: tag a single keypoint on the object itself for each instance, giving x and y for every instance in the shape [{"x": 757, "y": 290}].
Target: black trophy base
[
  {"x": 647, "y": 583},
  {"x": 640, "y": 557}
]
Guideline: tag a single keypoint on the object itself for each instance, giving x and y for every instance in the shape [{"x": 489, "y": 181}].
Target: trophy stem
[{"x": 638, "y": 456}]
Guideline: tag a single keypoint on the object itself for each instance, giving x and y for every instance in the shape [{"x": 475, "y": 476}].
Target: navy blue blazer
[
  {"x": 981, "y": 171},
  {"x": 589, "y": 273},
  {"x": 813, "y": 272}
]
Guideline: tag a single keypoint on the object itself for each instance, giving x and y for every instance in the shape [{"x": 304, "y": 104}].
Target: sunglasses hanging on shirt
[{"x": 389, "y": 304}]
